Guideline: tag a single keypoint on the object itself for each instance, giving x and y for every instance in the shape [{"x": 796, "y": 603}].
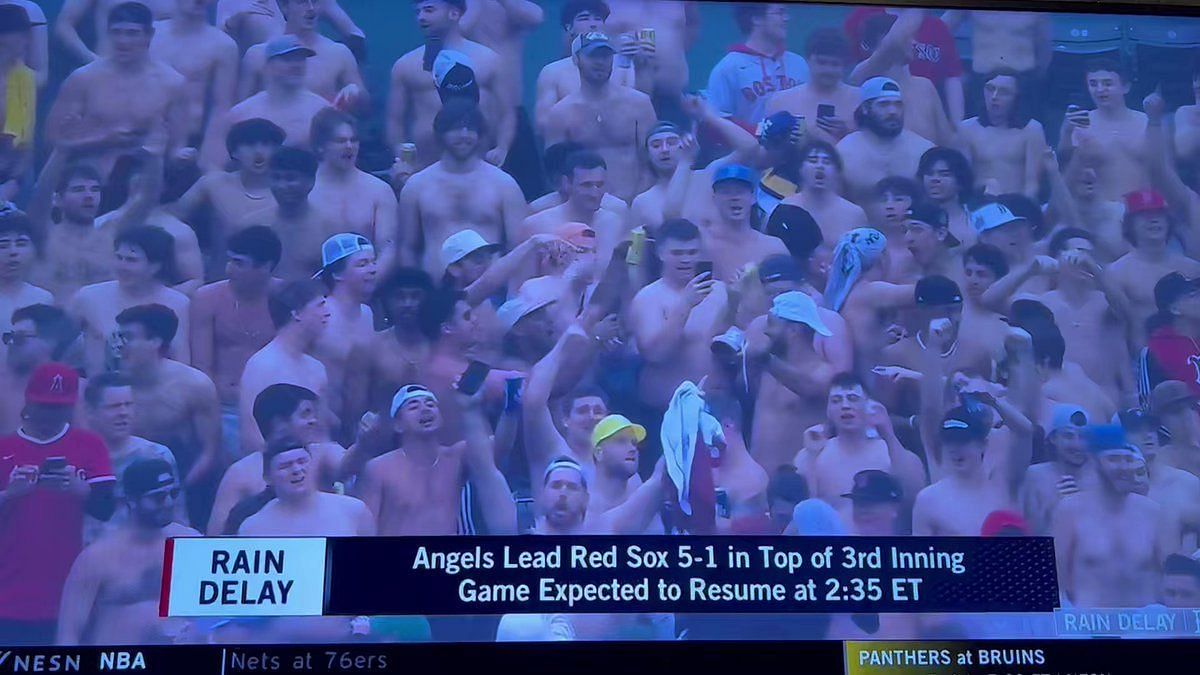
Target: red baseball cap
[
  {"x": 1142, "y": 201},
  {"x": 998, "y": 522},
  {"x": 53, "y": 384}
]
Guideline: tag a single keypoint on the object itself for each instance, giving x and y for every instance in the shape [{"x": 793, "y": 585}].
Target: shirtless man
[
  {"x": 1181, "y": 581},
  {"x": 820, "y": 184},
  {"x": 414, "y": 489},
  {"x": 554, "y": 159},
  {"x": 856, "y": 290},
  {"x": 1173, "y": 403},
  {"x": 882, "y": 146},
  {"x": 227, "y": 196},
  {"x": 1020, "y": 41},
  {"x": 93, "y": 111},
  {"x": 828, "y": 55},
  {"x": 349, "y": 272},
  {"x": 932, "y": 246},
  {"x": 1110, "y": 139},
  {"x": 177, "y": 405},
  {"x": 1004, "y": 143},
  {"x": 1110, "y": 543},
  {"x": 356, "y": 200},
  {"x": 76, "y": 253},
  {"x": 283, "y": 413},
  {"x": 457, "y": 191},
  {"x": 1175, "y": 490},
  {"x": 298, "y": 509},
  {"x": 1148, "y": 228},
  {"x": 983, "y": 264},
  {"x": 1104, "y": 218},
  {"x": 18, "y": 248},
  {"x": 889, "y": 42},
  {"x": 1070, "y": 467},
  {"x": 300, "y": 314},
  {"x": 675, "y": 318},
  {"x": 145, "y": 260},
  {"x": 112, "y": 593},
  {"x": 615, "y": 443},
  {"x": 587, "y": 175},
  {"x": 207, "y": 59},
  {"x": 559, "y": 79},
  {"x": 971, "y": 485},
  {"x": 39, "y": 334},
  {"x": 997, "y": 225},
  {"x": 300, "y": 224},
  {"x": 331, "y": 73},
  {"x": 415, "y": 98},
  {"x": 66, "y": 26},
  {"x": 284, "y": 100},
  {"x": 610, "y": 119},
  {"x": 400, "y": 350},
  {"x": 846, "y": 448},
  {"x": 739, "y": 477},
  {"x": 731, "y": 241},
  {"x": 230, "y": 321},
  {"x": 800, "y": 348},
  {"x": 946, "y": 179},
  {"x": 676, "y": 26}
]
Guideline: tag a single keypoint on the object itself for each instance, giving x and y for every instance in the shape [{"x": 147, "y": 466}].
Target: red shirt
[
  {"x": 935, "y": 56},
  {"x": 42, "y": 532},
  {"x": 1174, "y": 357}
]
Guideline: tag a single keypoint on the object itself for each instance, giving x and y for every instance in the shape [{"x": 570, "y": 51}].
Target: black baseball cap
[
  {"x": 147, "y": 475},
  {"x": 873, "y": 485},
  {"x": 779, "y": 268},
  {"x": 960, "y": 426},
  {"x": 1136, "y": 419},
  {"x": 14, "y": 19},
  {"x": 1172, "y": 287},
  {"x": 934, "y": 216},
  {"x": 797, "y": 229},
  {"x": 937, "y": 291}
]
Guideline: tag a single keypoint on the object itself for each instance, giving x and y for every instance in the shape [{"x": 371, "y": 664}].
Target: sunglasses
[{"x": 14, "y": 338}]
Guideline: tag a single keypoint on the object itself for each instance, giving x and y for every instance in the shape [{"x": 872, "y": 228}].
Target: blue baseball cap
[{"x": 736, "y": 172}]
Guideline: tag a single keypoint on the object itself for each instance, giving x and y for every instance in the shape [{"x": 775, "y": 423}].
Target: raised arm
[
  {"x": 636, "y": 513},
  {"x": 997, "y": 296},
  {"x": 66, "y": 28},
  {"x": 1162, "y": 169},
  {"x": 542, "y": 440},
  {"x": 893, "y": 48},
  {"x": 499, "y": 272},
  {"x": 1023, "y": 382},
  {"x": 495, "y": 496},
  {"x": 41, "y": 203},
  {"x": 931, "y": 383}
]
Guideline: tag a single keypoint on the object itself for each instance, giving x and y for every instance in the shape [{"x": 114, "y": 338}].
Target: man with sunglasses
[
  {"x": 112, "y": 592},
  {"x": 40, "y": 333}
]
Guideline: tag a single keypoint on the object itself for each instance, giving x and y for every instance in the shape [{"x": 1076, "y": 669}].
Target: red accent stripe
[{"x": 164, "y": 598}]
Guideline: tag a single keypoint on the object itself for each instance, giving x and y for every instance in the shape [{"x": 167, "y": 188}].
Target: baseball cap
[
  {"x": 614, "y": 424},
  {"x": 777, "y": 128},
  {"x": 519, "y": 307},
  {"x": 934, "y": 216},
  {"x": 937, "y": 291},
  {"x": 454, "y": 75},
  {"x": 779, "y": 268},
  {"x": 993, "y": 215},
  {"x": 798, "y": 307},
  {"x": 797, "y": 228},
  {"x": 873, "y": 485},
  {"x": 1136, "y": 419},
  {"x": 14, "y": 18},
  {"x": 1168, "y": 394},
  {"x": 579, "y": 235},
  {"x": 1143, "y": 201},
  {"x": 589, "y": 42},
  {"x": 735, "y": 172},
  {"x": 998, "y": 523},
  {"x": 1065, "y": 416},
  {"x": 53, "y": 384},
  {"x": 147, "y": 475},
  {"x": 287, "y": 44},
  {"x": 461, "y": 244},
  {"x": 880, "y": 88},
  {"x": 1110, "y": 438},
  {"x": 663, "y": 127},
  {"x": 408, "y": 393},
  {"x": 1172, "y": 287},
  {"x": 733, "y": 338},
  {"x": 342, "y": 246},
  {"x": 960, "y": 426},
  {"x": 564, "y": 463}
]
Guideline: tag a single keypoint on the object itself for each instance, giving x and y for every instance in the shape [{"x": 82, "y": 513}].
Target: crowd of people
[{"x": 861, "y": 284}]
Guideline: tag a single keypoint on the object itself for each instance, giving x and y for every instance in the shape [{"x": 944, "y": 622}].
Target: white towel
[{"x": 686, "y": 420}]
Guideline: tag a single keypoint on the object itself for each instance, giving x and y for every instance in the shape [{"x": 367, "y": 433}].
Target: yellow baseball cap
[{"x": 614, "y": 424}]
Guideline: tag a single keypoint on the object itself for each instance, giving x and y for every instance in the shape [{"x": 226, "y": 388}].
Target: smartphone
[
  {"x": 1074, "y": 110},
  {"x": 512, "y": 393},
  {"x": 826, "y": 110},
  {"x": 54, "y": 465},
  {"x": 723, "y": 510},
  {"x": 704, "y": 266},
  {"x": 472, "y": 378}
]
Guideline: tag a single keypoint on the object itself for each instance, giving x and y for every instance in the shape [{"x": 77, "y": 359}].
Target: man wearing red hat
[
  {"x": 50, "y": 475},
  {"x": 1147, "y": 226}
]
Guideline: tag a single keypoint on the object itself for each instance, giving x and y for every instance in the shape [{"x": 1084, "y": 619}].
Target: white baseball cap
[
  {"x": 798, "y": 307},
  {"x": 884, "y": 88},
  {"x": 993, "y": 215},
  {"x": 409, "y": 392},
  {"x": 342, "y": 246},
  {"x": 519, "y": 307},
  {"x": 462, "y": 244}
]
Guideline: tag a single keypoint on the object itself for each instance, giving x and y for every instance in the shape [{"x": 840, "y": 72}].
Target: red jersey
[
  {"x": 42, "y": 532},
  {"x": 935, "y": 56},
  {"x": 1174, "y": 357}
]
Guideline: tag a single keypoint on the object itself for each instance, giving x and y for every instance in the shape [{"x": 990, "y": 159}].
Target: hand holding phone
[{"x": 704, "y": 267}]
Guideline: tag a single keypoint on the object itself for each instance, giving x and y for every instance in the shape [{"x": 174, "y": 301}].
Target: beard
[{"x": 883, "y": 128}]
